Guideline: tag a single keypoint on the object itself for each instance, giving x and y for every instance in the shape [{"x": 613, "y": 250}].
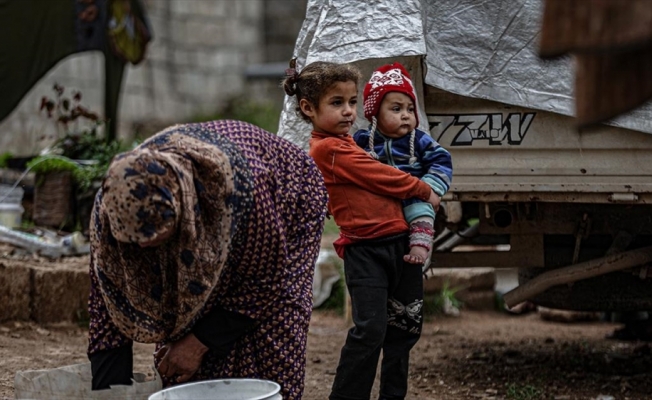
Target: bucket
[
  {"x": 11, "y": 210},
  {"x": 222, "y": 389},
  {"x": 11, "y": 215},
  {"x": 10, "y": 194}
]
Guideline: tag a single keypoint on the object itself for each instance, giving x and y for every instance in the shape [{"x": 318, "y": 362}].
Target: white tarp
[{"x": 477, "y": 48}]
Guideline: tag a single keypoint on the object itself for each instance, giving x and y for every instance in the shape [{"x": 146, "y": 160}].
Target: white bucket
[
  {"x": 222, "y": 389},
  {"x": 11, "y": 215},
  {"x": 10, "y": 194},
  {"x": 11, "y": 210}
]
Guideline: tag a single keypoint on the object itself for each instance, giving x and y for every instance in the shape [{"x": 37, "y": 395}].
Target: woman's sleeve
[
  {"x": 109, "y": 351},
  {"x": 219, "y": 329}
]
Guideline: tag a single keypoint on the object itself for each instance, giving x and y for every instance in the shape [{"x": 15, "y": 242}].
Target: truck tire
[{"x": 617, "y": 291}]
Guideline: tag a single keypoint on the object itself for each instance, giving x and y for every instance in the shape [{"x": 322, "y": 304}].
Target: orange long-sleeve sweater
[{"x": 364, "y": 194}]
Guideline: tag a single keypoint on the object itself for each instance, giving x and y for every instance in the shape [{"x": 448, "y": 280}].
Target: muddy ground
[{"x": 479, "y": 355}]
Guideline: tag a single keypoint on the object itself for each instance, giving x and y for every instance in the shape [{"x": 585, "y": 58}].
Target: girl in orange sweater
[{"x": 365, "y": 201}]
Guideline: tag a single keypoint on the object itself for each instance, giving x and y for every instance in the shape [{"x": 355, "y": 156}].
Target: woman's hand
[
  {"x": 434, "y": 200},
  {"x": 179, "y": 361}
]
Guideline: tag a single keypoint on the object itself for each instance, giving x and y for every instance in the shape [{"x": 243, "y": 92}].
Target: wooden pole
[{"x": 573, "y": 273}]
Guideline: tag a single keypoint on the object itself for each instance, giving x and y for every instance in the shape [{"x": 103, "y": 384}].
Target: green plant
[
  {"x": 51, "y": 163},
  {"x": 330, "y": 227},
  {"x": 336, "y": 300},
  {"x": 447, "y": 296},
  {"x": 523, "y": 392},
  {"x": 81, "y": 141},
  {"x": 4, "y": 159}
]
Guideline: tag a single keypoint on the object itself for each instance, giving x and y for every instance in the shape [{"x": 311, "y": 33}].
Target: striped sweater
[{"x": 432, "y": 163}]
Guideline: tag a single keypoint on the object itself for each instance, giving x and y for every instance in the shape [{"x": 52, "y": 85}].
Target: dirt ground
[{"x": 479, "y": 355}]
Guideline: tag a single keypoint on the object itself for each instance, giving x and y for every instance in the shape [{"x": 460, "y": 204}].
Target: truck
[{"x": 570, "y": 209}]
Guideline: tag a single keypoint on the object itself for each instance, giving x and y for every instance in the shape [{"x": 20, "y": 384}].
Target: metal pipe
[
  {"x": 458, "y": 238},
  {"x": 574, "y": 273}
]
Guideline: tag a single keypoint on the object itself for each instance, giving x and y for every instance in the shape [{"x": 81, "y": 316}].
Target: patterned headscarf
[
  {"x": 172, "y": 182},
  {"x": 143, "y": 186}
]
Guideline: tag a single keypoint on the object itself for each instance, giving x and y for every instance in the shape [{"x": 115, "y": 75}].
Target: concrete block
[
  {"x": 204, "y": 33},
  {"x": 137, "y": 77},
  {"x": 464, "y": 278},
  {"x": 213, "y": 8},
  {"x": 205, "y": 8},
  {"x": 215, "y": 60},
  {"x": 186, "y": 59},
  {"x": 14, "y": 292},
  {"x": 192, "y": 83},
  {"x": 183, "y": 6},
  {"x": 158, "y": 25},
  {"x": 477, "y": 300},
  {"x": 282, "y": 9},
  {"x": 133, "y": 106},
  {"x": 157, "y": 53},
  {"x": 249, "y": 9},
  {"x": 60, "y": 295}
]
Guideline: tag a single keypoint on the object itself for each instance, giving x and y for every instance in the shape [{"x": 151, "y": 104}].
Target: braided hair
[{"x": 315, "y": 79}]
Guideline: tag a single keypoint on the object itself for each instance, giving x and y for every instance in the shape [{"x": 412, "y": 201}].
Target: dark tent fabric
[
  {"x": 611, "y": 41},
  {"x": 37, "y": 34}
]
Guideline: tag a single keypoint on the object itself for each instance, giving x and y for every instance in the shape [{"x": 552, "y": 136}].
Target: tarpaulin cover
[{"x": 478, "y": 48}]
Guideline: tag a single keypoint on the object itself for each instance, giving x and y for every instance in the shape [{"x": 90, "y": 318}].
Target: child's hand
[{"x": 434, "y": 200}]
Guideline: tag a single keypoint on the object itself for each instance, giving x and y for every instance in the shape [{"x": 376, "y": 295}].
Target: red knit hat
[{"x": 388, "y": 78}]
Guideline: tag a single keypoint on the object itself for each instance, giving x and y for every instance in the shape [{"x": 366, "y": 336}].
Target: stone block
[
  {"x": 215, "y": 60},
  {"x": 157, "y": 53},
  {"x": 205, "y": 33},
  {"x": 465, "y": 278},
  {"x": 14, "y": 292},
  {"x": 477, "y": 300},
  {"x": 186, "y": 59},
  {"x": 134, "y": 106},
  {"x": 205, "y": 8},
  {"x": 138, "y": 77},
  {"x": 60, "y": 295},
  {"x": 250, "y": 10}
]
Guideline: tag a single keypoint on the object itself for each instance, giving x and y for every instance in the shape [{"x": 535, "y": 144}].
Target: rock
[
  {"x": 551, "y": 314},
  {"x": 14, "y": 292},
  {"x": 477, "y": 300},
  {"x": 43, "y": 332}
]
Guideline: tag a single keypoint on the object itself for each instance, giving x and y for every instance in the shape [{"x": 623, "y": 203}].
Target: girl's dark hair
[{"x": 315, "y": 79}]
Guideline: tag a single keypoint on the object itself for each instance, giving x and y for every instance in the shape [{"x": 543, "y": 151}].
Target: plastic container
[
  {"x": 73, "y": 382},
  {"x": 222, "y": 389},
  {"x": 10, "y": 194},
  {"x": 46, "y": 245},
  {"x": 11, "y": 210},
  {"x": 11, "y": 215}
]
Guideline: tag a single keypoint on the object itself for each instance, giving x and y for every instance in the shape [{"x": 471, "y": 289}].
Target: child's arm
[
  {"x": 439, "y": 165},
  {"x": 353, "y": 165}
]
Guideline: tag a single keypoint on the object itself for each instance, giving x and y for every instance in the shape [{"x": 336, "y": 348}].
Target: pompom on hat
[{"x": 388, "y": 78}]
